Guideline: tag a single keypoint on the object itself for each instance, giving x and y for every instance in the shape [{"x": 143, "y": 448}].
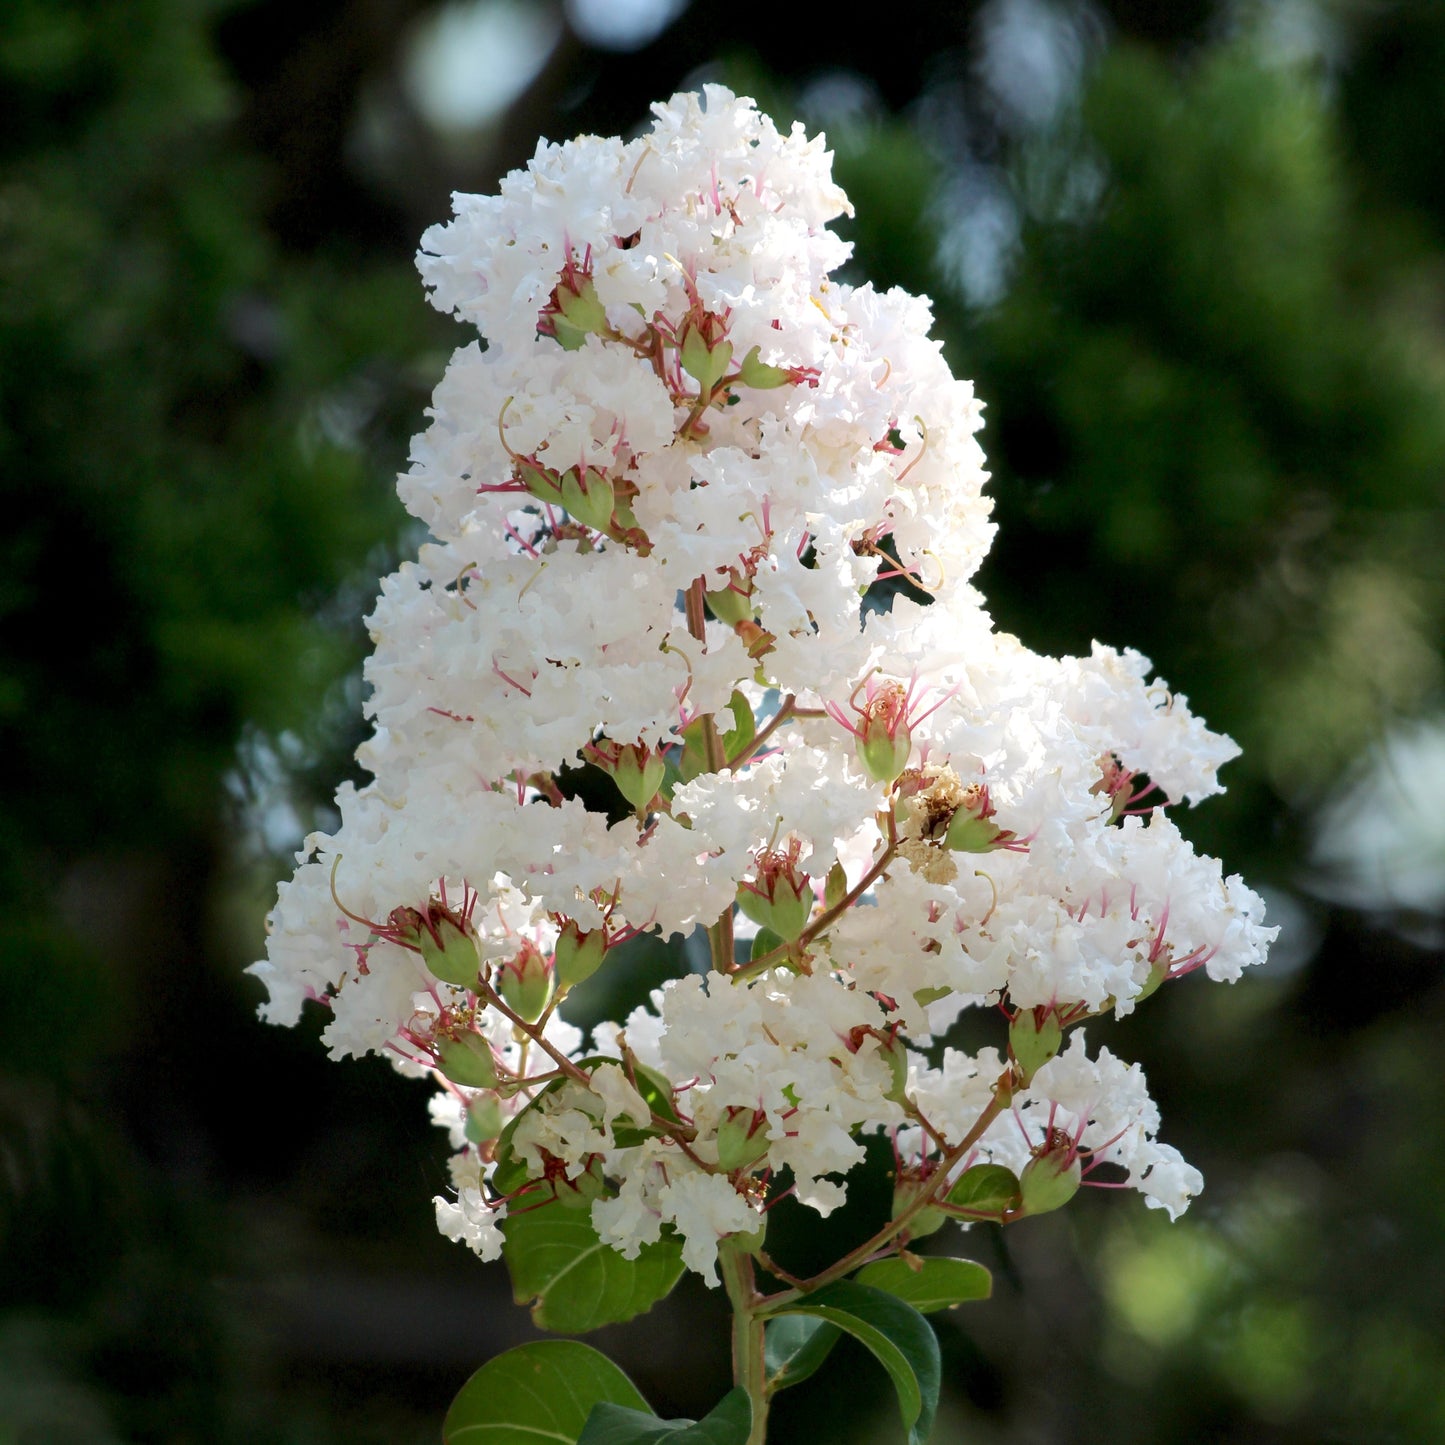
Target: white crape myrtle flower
[
  {"x": 674, "y": 488},
  {"x": 1100, "y": 1106}
]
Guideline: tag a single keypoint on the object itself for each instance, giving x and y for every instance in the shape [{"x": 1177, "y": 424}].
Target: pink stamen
[{"x": 512, "y": 681}]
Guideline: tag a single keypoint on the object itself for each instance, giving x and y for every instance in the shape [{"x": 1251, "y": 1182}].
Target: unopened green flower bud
[
  {"x": 928, "y": 1220},
  {"x": 742, "y": 1139},
  {"x": 835, "y": 887},
  {"x": 443, "y": 940},
  {"x": 785, "y": 909},
  {"x": 587, "y": 494},
  {"x": 525, "y": 984},
  {"x": 884, "y": 755},
  {"x": 779, "y": 896},
  {"x": 1034, "y": 1037},
  {"x": 1050, "y": 1180},
  {"x": 578, "y": 955},
  {"x": 638, "y": 773},
  {"x": 755, "y": 372},
  {"x": 584, "y": 312},
  {"x": 971, "y": 829},
  {"x": 731, "y": 605},
  {"x": 467, "y": 1060},
  {"x": 705, "y": 363},
  {"x": 540, "y": 482},
  {"x": 968, "y": 834}
]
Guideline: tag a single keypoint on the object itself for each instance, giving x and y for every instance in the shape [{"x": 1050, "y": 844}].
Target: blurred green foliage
[
  {"x": 194, "y": 449},
  {"x": 1216, "y": 421}
]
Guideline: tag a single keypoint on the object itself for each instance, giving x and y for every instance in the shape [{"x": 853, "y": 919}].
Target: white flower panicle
[{"x": 680, "y": 497}]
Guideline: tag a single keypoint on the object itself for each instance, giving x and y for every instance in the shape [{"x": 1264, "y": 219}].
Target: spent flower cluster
[{"x": 682, "y": 497}]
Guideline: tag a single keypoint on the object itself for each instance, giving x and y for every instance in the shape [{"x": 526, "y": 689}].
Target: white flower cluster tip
[{"x": 682, "y": 497}]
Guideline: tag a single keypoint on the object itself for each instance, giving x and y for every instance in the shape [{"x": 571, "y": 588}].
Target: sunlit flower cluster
[{"x": 704, "y": 519}]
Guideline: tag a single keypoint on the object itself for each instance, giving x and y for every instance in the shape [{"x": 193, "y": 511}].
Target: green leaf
[
  {"x": 765, "y": 941},
  {"x": 793, "y": 1348},
  {"x": 729, "y": 1423},
  {"x": 899, "y": 1338},
  {"x": 937, "y": 1284},
  {"x": 572, "y": 1280},
  {"x": 692, "y": 762},
  {"x": 744, "y": 728},
  {"x": 987, "y": 1191},
  {"x": 538, "y": 1394},
  {"x": 654, "y": 1088}
]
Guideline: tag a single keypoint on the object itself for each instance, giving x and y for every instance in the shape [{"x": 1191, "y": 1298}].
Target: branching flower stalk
[{"x": 677, "y": 501}]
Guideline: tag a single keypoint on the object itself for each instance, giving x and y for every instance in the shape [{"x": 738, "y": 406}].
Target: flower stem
[
  {"x": 890, "y": 1231},
  {"x": 749, "y": 1371},
  {"x": 719, "y": 934}
]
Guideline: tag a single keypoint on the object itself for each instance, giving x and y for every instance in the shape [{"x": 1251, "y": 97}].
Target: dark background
[{"x": 1194, "y": 255}]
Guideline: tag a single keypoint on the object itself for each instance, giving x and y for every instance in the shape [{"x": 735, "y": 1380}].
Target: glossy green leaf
[
  {"x": 537, "y": 1394},
  {"x": 728, "y": 1424},
  {"x": 897, "y": 1335},
  {"x": 793, "y": 1348},
  {"x": 574, "y": 1282},
  {"x": 987, "y": 1191},
  {"x": 937, "y": 1284}
]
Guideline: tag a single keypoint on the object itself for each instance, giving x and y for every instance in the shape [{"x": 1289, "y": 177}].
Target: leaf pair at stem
[{"x": 567, "y": 1392}]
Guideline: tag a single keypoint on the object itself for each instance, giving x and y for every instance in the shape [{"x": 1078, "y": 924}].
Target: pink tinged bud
[
  {"x": 443, "y": 940},
  {"x": 467, "y": 1060},
  {"x": 578, "y": 955},
  {"x": 1051, "y": 1178},
  {"x": 882, "y": 738},
  {"x": 484, "y": 1120},
  {"x": 779, "y": 897},
  {"x": 525, "y": 983},
  {"x": 588, "y": 495},
  {"x": 1034, "y": 1038},
  {"x": 742, "y": 1139},
  {"x": 987, "y": 1191}
]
